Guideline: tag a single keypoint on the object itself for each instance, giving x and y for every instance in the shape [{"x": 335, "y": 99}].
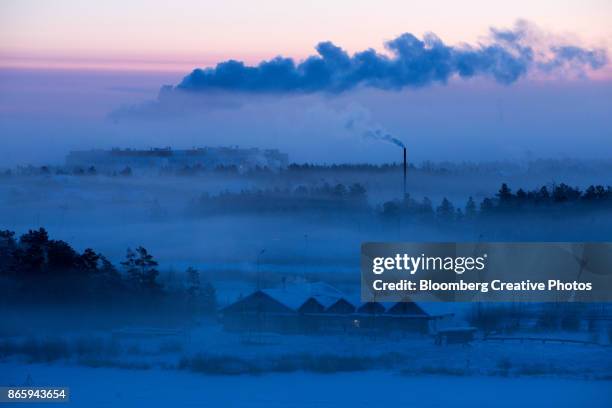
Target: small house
[{"x": 320, "y": 308}]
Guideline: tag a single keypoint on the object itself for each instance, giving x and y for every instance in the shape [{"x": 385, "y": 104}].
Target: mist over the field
[
  {"x": 147, "y": 232},
  {"x": 203, "y": 220},
  {"x": 45, "y": 114}
]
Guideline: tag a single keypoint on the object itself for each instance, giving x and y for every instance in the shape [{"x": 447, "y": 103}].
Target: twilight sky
[
  {"x": 178, "y": 35},
  {"x": 80, "y": 75}
]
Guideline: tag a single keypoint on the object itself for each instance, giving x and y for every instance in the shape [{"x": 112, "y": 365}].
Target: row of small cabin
[{"x": 321, "y": 308}]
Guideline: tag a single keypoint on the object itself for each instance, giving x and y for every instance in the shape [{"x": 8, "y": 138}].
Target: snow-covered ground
[
  {"x": 102, "y": 387},
  {"x": 210, "y": 350},
  {"x": 206, "y": 366}
]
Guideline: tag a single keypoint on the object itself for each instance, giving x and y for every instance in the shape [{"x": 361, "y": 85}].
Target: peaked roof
[
  {"x": 428, "y": 308},
  {"x": 406, "y": 308},
  {"x": 295, "y": 295}
]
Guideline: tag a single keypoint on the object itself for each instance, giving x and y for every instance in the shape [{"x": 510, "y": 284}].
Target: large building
[
  {"x": 321, "y": 308},
  {"x": 204, "y": 157}
]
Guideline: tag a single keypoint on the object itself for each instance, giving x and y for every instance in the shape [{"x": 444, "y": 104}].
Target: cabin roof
[{"x": 294, "y": 296}]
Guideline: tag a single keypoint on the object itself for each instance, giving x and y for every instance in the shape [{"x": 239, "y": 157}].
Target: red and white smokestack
[{"x": 405, "y": 168}]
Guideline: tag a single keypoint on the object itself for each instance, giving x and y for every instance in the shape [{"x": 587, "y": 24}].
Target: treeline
[
  {"x": 64, "y": 171},
  {"x": 544, "y": 197},
  {"x": 348, "y": 167},
  {"x": 325, "y": 197},
  {"x": 538, "y": 166},
  {"x": 34, "y": 267},
  {"x": 559, "y": 197}
]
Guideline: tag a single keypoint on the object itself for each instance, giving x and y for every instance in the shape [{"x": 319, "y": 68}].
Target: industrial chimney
[{"x": 405, "y": 168}]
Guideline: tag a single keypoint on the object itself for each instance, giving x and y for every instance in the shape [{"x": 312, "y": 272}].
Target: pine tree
[
  {"x": 32, "y": 252},
  {"x": 543, "y": 195},
  {"x": 445, "y": 211},
  {"x": 148, "y": 272},
  {"x": 470, "y": 208},
  {"x": 486, "y": 206},
  {"x": 193, "y": 283},
  {"x": 89, "y": 261},
  {"x": 504, "y": 194},
  {"x": 108, "y": 274},
  {"x": 7, "y": 250},
  {"x": 129, "y": 266}
]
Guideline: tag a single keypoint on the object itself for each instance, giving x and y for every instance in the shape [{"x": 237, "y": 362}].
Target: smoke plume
[
  {"x": 359, "y": 121},
  {"x": 381, "y": 135},
  {"x": 506, "y": 56},
  {"x": 410, "y": 62}
]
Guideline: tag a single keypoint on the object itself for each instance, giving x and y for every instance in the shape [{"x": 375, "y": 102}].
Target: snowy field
[
  {"x": 212, "y": 368},
  {"x": 208, "y": 349},
  {"x": 102, "y": 387}
]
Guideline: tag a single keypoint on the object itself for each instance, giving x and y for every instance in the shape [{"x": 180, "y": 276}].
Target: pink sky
[{"x": 177, "y": 36}]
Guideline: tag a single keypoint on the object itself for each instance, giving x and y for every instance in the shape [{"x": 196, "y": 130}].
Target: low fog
[
  {"x": 483, "y": 123},
  {"x": 45, "y": 114},
  {"x": 159, "y": 255},
  {"x": 202, "y": 220}
]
